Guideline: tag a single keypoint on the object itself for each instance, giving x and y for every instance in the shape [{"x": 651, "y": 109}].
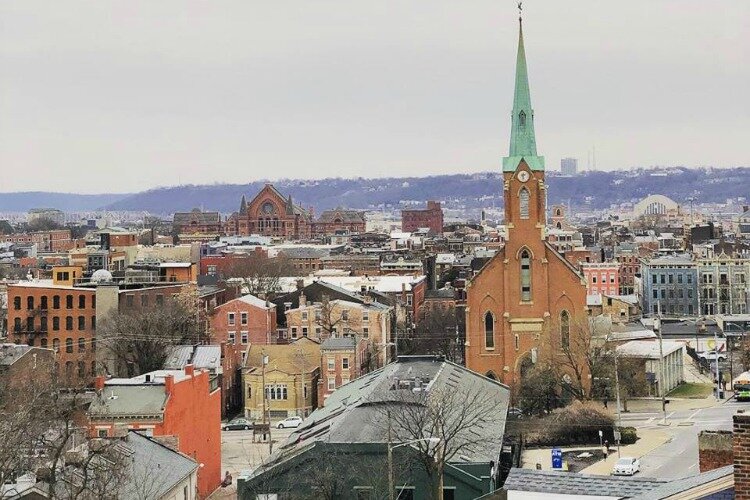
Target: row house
[
  {"x": 182, "y": 405},
  {"x": 54, "y": 240},
  {"x": 723, "y": 285},
  {"x": 342, "y": 359},
  {"x": 602, "y": 278},
  {"x": 236, "y": 325},
  {"x": 670, "y": 286},
  {"x": 630, "y": 268},
  {"x": 339, "y": 221},
  {"x": 370, "y": 321}
]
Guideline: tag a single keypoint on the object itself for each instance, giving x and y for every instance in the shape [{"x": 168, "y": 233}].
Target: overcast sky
[{"x": 104, "y": 96}]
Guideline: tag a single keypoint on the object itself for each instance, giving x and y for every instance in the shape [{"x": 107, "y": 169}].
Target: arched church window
[
  {"x": 523, "y": 202},
  {"x": 522, "y": 119},
  {"x": 489, "y": 330},
  {"x": 525, "y": 276},
  {"x": 565, "y": 329}
]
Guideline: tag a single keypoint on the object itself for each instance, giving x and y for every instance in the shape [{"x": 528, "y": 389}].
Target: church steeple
[{"x": 522, "y": 137}]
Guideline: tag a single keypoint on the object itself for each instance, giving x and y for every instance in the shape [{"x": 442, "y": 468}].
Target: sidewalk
[
  {"x": 653, "y": 405},
  {"x": 648, "y": 441}
]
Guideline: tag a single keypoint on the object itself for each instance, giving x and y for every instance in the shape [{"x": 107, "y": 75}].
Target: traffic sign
[{"x": 556, "y": 458}]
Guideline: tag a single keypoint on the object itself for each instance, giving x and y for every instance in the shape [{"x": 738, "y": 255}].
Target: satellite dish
[{"x": 711, "y": 343}]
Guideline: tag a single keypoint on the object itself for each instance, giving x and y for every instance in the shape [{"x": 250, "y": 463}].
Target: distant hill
[
  {"x": 68, "y": 202},
  {"x": 592, "y": 189}
]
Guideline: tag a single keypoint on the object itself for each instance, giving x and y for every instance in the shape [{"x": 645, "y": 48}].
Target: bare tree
[
  {"x": 259, "y": 275},
  {"x": 139, "y": 341},
  {"x": 463, "y": 421},
  {"x": 436, "y": 333}
]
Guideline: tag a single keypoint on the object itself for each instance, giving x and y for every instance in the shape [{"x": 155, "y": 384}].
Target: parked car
[
  {"x": 289, "y": 422},
  {"x": 712, "y": 355},
  {"x": 237, "y": 424},
  {"x": 626, "y": 466},
  {"x": 515, "y": 413}
]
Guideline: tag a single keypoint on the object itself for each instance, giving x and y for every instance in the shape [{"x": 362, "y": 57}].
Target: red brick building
[
  {"x": 339, "y": 220},
  {"x": 602, "y": 278},
  {"x": 342, "y": 359},
  {"x": 270, "y": 214},
  {"x": 184, "y": 404},
  {"x": 55, "y": 240},
  {"x": 197, "y": 225},
  {"x": 522, "y": 304},
  {"x": 430, "y": 217},
  {"x": 236, "y": 325}
]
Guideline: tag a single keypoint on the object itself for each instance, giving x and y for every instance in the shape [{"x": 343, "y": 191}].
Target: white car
[
  {"x": 289, "y": 422},
  {"x": 712, "y": 356},
  {"x": 626, "y": 466}
]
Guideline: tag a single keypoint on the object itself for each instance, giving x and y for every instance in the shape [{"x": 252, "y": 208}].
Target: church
[{"x": 527, "y": 303}]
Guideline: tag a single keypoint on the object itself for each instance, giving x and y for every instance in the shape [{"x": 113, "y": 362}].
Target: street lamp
[{"x": 391, "y": 447}]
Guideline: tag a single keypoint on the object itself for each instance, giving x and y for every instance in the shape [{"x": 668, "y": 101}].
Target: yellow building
[
  {"x": 66, "y": 275},
  {"x": 291, "y": 379}
]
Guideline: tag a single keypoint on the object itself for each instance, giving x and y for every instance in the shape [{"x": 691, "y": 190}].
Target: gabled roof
[
  {"x": 183, "y": 218},
  {"x": 346, "y": 216},
  {"x": 339, "y": 344},
  {"x": 256, "y": 302},
  {"x": 300, "y": 356}
]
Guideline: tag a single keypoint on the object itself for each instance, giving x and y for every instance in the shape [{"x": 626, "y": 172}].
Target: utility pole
[
  {"x": 718, "y": 377},
  {"x": 391, "y": 493},
  {"x": 266, "y": 406},
  {"x": 661, "y": 363},
  {"x": 617, "y": 396}
]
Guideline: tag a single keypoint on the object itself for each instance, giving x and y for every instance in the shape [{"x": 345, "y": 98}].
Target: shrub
[
  {"x": 628, "y": 435},
  {"x": 578, "y": 423}
]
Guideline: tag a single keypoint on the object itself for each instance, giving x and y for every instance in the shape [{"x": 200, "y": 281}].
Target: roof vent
[{"x": 112, "y": 395}]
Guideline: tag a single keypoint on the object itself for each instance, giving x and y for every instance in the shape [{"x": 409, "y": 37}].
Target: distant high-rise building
[{"x": 569, "y": 166}]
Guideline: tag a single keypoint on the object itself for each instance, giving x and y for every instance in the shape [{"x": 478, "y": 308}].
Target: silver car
[{"x": 626, "y": 466}]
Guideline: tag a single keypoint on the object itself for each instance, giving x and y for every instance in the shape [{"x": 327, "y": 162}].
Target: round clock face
[
  {"x": 523, "y": 176},
  {"x": 267, "y": 207}
]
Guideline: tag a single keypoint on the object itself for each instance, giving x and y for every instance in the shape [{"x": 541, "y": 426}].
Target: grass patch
[{"x": 689, "y": 390}]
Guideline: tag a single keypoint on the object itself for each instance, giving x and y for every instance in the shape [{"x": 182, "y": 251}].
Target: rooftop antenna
[{"x": 520, "y": 9}]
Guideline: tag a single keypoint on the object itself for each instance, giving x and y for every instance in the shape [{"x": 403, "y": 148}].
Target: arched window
[
  {"x": 559, "y": 225},
  {"x": 30, "y": 302},
  {"x": 565, "y": 329},
  {"x": 523, "y": 202},
  {"x": 558, "y": 212},
  {"x": 489, "y": 330},
  {"x": 522, "y": 119},
  {"x": 525, "y": 276}
]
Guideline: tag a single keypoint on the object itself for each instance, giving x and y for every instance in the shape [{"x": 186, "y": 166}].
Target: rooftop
[{"x": 561, "y": 483}]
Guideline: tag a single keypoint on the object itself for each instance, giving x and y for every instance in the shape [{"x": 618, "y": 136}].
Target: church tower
[{"x": 523, "y": 305}]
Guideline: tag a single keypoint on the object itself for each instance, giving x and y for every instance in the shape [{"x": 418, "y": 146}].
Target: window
[
  {"x": 679, "y": 279},
  {"x": 365, "y": 332},
  {"x": 81, "y": 344},
  {"x": 345, "y": 314},
  {"x": 129, "y": 299},
  {"x": 81, "y": 322},
  {"x": 365, "y": 315},
  {"x": 408, "y": 299},
  {"x": 17, "y": 303},
  {"x": 523, "y": 203},
  {"x": 565, "y": 329},
  {"x": 345, "y": 363},
  {"x": 243, "y": 318},
  {"x": 331, "y": 364},
  {"x": 525, "y": 276},
  {"x": 55, "y": 324},
  {"x": 30, "y": 324},
  {"x": 654, "y": 279},
  {"x": 68, "y": 323},
  {"x": 304, "y": 392},
  {"x": 93, "y": 346},
  {"x": 30, "y": 303},
  {"x": 489, "y": 330},
  {"x": 68, "y": 369},
  {"x": 69, "y": 345},
  {"x": 276, "y": 392},
  {"x": 43, "y": 323},
  {"x": 318, "y": 331},
  {"x": 144, "y": 300},
  {"x": 81, "y": 369},
  {"x": 331, "y": 384},
  {"x": 230, "y": 319},
  {"x": 160, "y": 300},
  {"x": 593, "y": 279},
  {"x": 43, "y": 303},
  {"x": 690, "y": 279},
  {"x": 17, "y": 325},
  {"x": 304, "y": 331},
  {"x": 43, "y": 343},
  {"x": 56, "y": 302},
  {"x": 294, "y": 332},
  {"x": 56, "y": 344},
  {"x": 449, "y": 493},
  {"x": 93, "y": 302},
  {"x": 69, "y": 302},
  {"x": 517, "y": 341},
  {"x": 243, "y": 336},
  {"x": 81, "y": 302},
  {"x": 230, "y": 337},
  {"x": 102, "y": 433},
  {"x": 93, "y": 322},
  {"x": 656, "y": 294},
  {"x": 304, "y": 315},
  {"x": 662, "y": 278},
  {"x": 318, "y": 315}
]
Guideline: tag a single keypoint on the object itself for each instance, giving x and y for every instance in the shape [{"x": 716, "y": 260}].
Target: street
[{"x": 678, "y": 457}]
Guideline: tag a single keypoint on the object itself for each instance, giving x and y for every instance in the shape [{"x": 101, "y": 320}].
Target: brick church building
[
  {"x": 270, "y": 214},
  {"x": 527, "y": 302}
]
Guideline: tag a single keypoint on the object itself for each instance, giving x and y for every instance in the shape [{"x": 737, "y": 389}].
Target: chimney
[
  {"x": 714, "y": 450},
  {"x": 189, "y": 370},
  {"x": 99, "y": 383},
  {"x": 169, "y": 384},
  {"x": 302, "y": 300},
  {"x": 300, "y": 284},
  {"x": 148, "y": 378},
  {"x": 741, "y": 450}
]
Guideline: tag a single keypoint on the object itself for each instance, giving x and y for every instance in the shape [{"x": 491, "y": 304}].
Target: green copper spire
[{"x": 522, "y": 137}]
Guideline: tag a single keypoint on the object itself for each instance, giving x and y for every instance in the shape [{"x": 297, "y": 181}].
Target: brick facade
[
  {"x": 714, "y": 450},
  {"x": 430, "y": 217},
  {"x": 270, "y": 214},
  {"x": 741, "y": 451}
]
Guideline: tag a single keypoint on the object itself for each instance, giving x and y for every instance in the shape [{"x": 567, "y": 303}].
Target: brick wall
[
  {"x": 741, "y": 448},
  {"x": 714, "y": 450}
]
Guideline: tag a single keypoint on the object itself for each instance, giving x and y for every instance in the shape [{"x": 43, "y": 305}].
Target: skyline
[{"x": 417, "y": 90}]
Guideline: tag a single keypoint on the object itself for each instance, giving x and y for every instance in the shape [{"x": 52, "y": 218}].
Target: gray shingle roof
[
  {"x": 129, "y": 400},
  {"x": 338, "y": 343},
  {"x": 348, "y": 216},
  {"x": 578, "y": 484},
  {"x": 682, "y": 485},
  {"x": 185, "y": 218}
]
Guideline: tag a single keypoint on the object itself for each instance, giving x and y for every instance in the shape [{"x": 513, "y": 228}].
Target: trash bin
[{"x": 720, "y": 392}]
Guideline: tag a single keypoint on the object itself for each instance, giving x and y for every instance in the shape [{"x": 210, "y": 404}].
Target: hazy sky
[{"x": 104, "y": 96}]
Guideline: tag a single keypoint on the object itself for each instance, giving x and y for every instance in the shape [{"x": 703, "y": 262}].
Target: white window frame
[
  {"x": 231, "y": 337},
  {"x": 331, "y": 384},
  {"x": 244, "y": 336},
  {"x": 331, "y": 364},
  {"x": 243, "y": 318},
  {"x": 231, "y": 319},
  {"x": 345, "y": 363}
]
